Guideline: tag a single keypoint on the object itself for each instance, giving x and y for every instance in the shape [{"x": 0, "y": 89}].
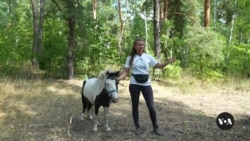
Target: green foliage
[
  {"x": 97, "y": 47},
  {"x": 205, "y": 53},
  {"x": 181, "y": 14},
  {"x": 52, "y": 58},
  {"x": 173, "y": 46},
  {"x": 239, "y": 60},
  {"x": 15, "y": 35},
  {"x": 225, "y": 11},
  {"x": 213, "y": 75},
  {"x": 96, "y": 40},
  {"x": 138, "y": 27},
  {"x": 173, "y": 71}
]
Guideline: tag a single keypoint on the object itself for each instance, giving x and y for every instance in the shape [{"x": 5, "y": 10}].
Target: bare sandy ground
[
  {"x": 182, "y": 116},
  {"x": 49, "y": 110}
]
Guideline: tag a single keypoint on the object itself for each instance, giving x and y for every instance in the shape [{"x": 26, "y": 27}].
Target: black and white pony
[{"x": 97, "y": 92}]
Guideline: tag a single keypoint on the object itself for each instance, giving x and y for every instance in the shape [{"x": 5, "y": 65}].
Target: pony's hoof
[
  {"x": 95, "y": 129},
  {"x": 81, "y": 118},
  {"x": 98, "y": 123},
  {"x": 90, "y": 118},
  {"x": 107, "y": 129}
]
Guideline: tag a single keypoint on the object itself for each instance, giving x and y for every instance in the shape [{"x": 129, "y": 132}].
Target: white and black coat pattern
[{"x": 97, "y": 92}]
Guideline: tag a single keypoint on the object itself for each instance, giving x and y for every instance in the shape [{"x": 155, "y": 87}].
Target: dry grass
[{"x": 39, "y": 110}]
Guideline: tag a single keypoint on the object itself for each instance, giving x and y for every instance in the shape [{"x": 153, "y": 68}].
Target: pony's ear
[
  {"x": 107, "y": 73},
  {"x": 117, "y": 73}
]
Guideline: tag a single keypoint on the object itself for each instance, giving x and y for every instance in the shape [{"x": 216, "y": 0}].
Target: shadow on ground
[
  {"x": 50, "y": 114},
  {"x": 178, "y": 122}
]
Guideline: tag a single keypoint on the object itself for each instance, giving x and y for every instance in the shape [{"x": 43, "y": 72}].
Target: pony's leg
[
  {"x": 106, "y": 113},
  {"x": 90, "y": 112},
  {"x": 87, "y": 112},
  {"x": 81, "y": 117},
  {"x": 96, "y": 123},
  {"x": 84, "y": 105}
]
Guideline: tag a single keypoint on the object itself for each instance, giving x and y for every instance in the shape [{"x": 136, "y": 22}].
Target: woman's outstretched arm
[{"x": 162, "y": 65}]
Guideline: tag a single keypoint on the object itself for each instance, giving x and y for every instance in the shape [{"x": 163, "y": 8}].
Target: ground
[{"x": 50, "y": 110}]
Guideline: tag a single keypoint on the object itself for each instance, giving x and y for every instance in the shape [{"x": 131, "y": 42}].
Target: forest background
[
  {"x": 47, "y": 47},
  {"x": 79, "y": 38}
]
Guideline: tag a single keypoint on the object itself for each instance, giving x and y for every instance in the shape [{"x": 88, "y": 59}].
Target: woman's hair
[{"x": 133, "y": 51}]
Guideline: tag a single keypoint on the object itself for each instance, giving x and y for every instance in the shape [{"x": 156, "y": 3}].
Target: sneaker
[
  {"x": 158, "y": 132},
  {"x": 138, "y": 131}
]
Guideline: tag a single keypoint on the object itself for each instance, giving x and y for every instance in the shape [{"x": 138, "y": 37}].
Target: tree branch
[
  {"x": 57, "y": 5},
  {"x": 179, "y": 13}
]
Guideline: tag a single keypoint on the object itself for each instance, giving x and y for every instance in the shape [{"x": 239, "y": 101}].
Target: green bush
[
  {"x": 172, "y": 71},
  {"x": 205, "y": 56}
]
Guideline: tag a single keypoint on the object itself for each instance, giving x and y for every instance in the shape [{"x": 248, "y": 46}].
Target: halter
[{"x": 109, "y": 92}]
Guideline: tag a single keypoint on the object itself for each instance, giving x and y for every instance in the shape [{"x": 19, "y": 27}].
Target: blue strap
[{"x": 112, "y": 91}]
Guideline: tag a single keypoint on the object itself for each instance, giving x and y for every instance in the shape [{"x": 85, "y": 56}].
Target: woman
[{"x": 139, "y": 63}]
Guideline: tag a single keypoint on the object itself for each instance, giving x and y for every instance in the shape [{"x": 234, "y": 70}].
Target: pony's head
[{"x": 111, "y": 84}]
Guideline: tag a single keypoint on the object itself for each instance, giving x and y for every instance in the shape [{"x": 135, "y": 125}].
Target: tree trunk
[
  {"x": 146, "y": 30},
  {"x": 94, "y": 8},
  {"x": 38, "y": 18},
  {"x": 215, "y": 13},
  {"x": 71, "y": 46},
  {"x": 247, "y": 73},
  {"x": 157, "y": 30},
  {"x": 35, "y": 31},
  {"x": 230, "y": 36},
  {"x": 41, "y": 20},
  {"x": 121, "y": 27},
  {"x": 207, "y": 13},
  {"x": 164, "y": 10},
  {"x": 156, "y": 22}
]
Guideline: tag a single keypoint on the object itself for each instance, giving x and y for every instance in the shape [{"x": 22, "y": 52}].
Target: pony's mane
[{"x": 102, "y": 75}]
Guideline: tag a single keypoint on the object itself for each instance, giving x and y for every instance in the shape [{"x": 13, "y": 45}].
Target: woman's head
[{"x": 138, "y": 48}]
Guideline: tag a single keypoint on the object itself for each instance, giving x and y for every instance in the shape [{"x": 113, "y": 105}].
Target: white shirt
[{"x": 140, "y": 65}]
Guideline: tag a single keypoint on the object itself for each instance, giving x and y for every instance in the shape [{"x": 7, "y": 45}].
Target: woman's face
[{"x": 139, "y": 47}]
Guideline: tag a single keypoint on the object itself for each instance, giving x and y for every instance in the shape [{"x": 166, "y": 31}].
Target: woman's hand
[
  {"x": 172, "y": 60},
  {"x": 124, "y": 74},
  {"x": 162, "y": 65}
]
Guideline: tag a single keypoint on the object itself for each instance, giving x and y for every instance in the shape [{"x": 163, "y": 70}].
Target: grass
[
  {"x": 48, "y": 109},
  {"x": 28, "y": 104}
]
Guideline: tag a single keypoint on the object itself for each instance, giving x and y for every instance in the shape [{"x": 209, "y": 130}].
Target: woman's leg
[
  {"x": 135, "y": 94},
  {"x": 149, "y": 98}
]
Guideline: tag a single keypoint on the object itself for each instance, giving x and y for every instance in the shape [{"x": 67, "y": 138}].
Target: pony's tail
[{"x": 83, "y": 84}]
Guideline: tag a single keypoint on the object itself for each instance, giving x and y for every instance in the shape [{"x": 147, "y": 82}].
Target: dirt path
[
  {"x": 49, "y": 110},
  {"x": 181, "y": 116}
]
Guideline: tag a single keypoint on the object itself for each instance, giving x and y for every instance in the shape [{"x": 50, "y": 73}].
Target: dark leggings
[{"x": 147, "y": 93}]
